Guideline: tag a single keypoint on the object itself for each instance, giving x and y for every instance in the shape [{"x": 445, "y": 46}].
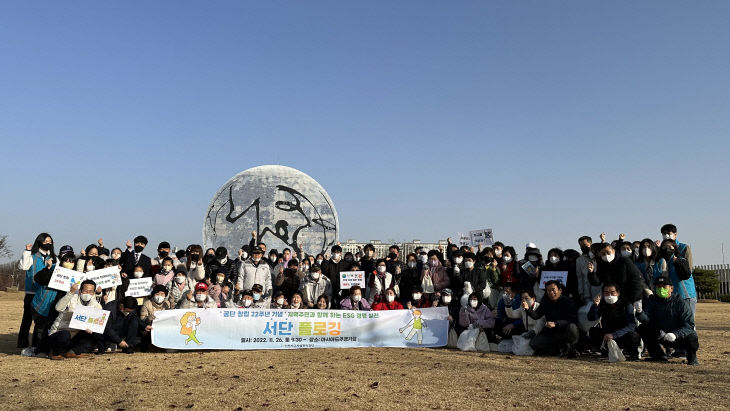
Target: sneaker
[
  {"x": 28, "y": 352},
  {"x": 693, "y": 362},
  {"x": 55, "y": 357}
]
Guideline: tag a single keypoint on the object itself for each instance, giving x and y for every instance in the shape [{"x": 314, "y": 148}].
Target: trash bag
[
  {"x": 453, "y": 338},
  {"x": 482, "y": 342},
  {"x": 521, "y": 346},
  {"x": 468, "y": 339},
  {"x": 505, "y": 346},
  {"x": 614, "y": 352}
]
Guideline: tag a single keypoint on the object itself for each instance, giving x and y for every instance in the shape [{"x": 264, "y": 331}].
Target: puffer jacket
[
  {"x": 250, "y": 274},
  {"x": 671, "y": 315},
  {"x": 439, "y": 277},
  {"x": 65, "y": 307},
  {"x": 480, "y": 316},
  {"x": 312, "y": 289}
]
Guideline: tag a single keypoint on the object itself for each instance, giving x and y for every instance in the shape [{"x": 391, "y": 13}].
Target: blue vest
[
  {"x": 39, "y": 263},
  {"x": 683, "y": 288}
]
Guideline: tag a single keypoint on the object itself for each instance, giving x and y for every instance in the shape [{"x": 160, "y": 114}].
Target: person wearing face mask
[
  {"x": 433, "y": 276},
  {"x": 255, "y": 271},
  {"x": 532, "y": 327},
  {"x": 417, "y": 299},
  {"x": 556, "y": 262},
  {"x": 477, "y": 314},
  {"x": 165, "y": 273},
  {"x": 667, "y": 322},
  {"x": 257, "y": 292},
  {"x": 587, "y": 259},
  {"x": 367, "y": 262},
  {"x": 279, "y": 301},
  {"x": 221, "y": 262},
  {"x": 508, "y": 321},
  {"x": 133, "y": 256},
  {"x": 389, "y": 302},
  {"x": 379, "y": 282},
  {"x": 669, "y": 232},
  {"x": 66, "y": 342},
  {"x": 194, "y": 264},
  {"x": 355, "y": 301},
  {"x": 243, "y": 253},
  {"x": 677, "y": 269},
  {"x": 618, "y": 322},
  {"x": 560, "y": 333},
  {"x": 32, "y": 261},
  {"x": 613, "y": 268},
  {"x": 215, "y": 285},
  {"x": 157, "y": 301},
  {"x": 456, "y": 280},
  {"x": 649, "y": 264},
  {"x": 289, "y": 279},
  {"x": 179, "y": 287},
  {"x": 491, "y": 266},
  {"x": 122, "y": 328},
  {"x": 527, "y": 278},
  {"x": 163, "y": 251},
  {"x": 246, "y": 302},
  {"x": 198, "y": 299},
  {"x": 474, "y": 273},
  {"x": 509, "y": 272},
  {"x": 445, "y": 298},
  {"x": 313, "y": 286},
  {"x": 410, "y": 276},
  {"x": 626, "y": 250}
]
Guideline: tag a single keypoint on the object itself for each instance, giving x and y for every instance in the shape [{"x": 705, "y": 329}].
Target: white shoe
[{"x": 28, "y": 352}]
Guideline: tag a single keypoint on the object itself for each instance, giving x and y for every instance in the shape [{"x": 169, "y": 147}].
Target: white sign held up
[
  {"x": 481, "y": 237},
  {"x": 89, "y": 318},
  {"x": 350, "y": 278},
  {"x": 63, "y": 278},
  {"x": 106, "y": 277},
  {"x": 139, "y": 287},
  {"x": 560, "y": 276}
]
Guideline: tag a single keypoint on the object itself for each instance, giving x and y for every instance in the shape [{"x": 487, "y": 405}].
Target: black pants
[
  {"x": 41, "y": 340},
  {"x": 26, "y": 322},
  {"x": 551, "y": 341},
  {"x": 629, "y": 341},
  {"x": 499, "y": 329},
  {"x": 81, "y": 343},
  {"x": 650, "y": 334}
]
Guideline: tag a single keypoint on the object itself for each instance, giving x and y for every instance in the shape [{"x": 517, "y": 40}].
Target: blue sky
[{"x": 541, "y": 120}]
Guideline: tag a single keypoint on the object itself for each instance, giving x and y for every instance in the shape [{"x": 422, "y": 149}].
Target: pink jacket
[{"x": 438, "y": 275}]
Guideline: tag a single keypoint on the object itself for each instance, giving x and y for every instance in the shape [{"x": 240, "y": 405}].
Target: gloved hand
[
  {"x": 670, "y": 337},
  {"x": 528, "y": 334}
]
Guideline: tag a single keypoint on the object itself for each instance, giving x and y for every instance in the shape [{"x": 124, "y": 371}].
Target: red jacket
[{"x": 384, "y": 306}]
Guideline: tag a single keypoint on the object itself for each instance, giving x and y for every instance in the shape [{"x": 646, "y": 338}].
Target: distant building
[{"x": 381, "y": 249}]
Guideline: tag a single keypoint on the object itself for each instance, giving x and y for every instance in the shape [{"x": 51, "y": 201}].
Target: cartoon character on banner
[
  {"x": 417, "y": 323},
  {"x": 190, "y": 323}
]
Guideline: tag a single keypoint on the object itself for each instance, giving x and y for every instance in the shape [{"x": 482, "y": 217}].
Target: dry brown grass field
[{"x": 362, "y": 379}]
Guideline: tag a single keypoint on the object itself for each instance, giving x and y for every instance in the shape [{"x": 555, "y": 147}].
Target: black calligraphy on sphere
[{"x": 296, "y": 213}]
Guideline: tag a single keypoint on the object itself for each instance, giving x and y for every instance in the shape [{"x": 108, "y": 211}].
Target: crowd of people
[{"x": 640, "y": 294}]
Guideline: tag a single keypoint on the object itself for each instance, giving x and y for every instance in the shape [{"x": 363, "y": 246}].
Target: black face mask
[
  {"x": 584, "y": 249},
  {"x": 488, "y": 260},
  {"x": 668, "y": 252},
  {"x": 194, "y": 257},
  {"x": 138, "y": 248},
  {"x": 163, "y": 254},
  {"x": 46, "y": 247}
]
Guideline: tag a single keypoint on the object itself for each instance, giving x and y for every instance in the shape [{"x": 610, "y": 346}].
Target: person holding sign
[
  {"x": 617, "y": 322},
  {"x": 65, "y": 341},
  {"x": 355, "y": 301}
]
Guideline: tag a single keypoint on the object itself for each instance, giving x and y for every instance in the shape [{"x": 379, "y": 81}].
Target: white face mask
[
  {"x": 319, "y": 261},
  {"x": 256, "y": 259},
  {"x": 138, "y": 274},
  {"x": 336, "y": 256},
  {"x": 159, "y": 299},
  {"x": 200, "y": 297},
  {"x": 247, "y": 302},
  {"x": 90, "y": 268},
  {"x": 381, "y": 269},
  {"x": 356, "y": 298},
  {"x": 608, "y": 257},
  {"x": 554, "y": 259},
  {"x": 423, "y": 258},
  {"x": 166, "y": 269},
  {"x": 473, "y": 303},
  {"x": 315, "y": 276},
  {"x": 469, "y": 264},
  {"x": 458, "y": 260},
  {"x": 636, "y": 252},
  {"x": 116, "y": 256},
  {"x": 85, "y": 297},
  {"x": 389, "y": 298},
  {"x": 220, "y": 279},
  {"x": 295, "y": 305},
  {"x": 179, "y": 279},
  {"x": 532, "y": 258},
  {"x": 610, "y": 299},
  {"x": 280, "y": 301},
  {"x": 412, "y": 264},
  {"x": 507, "y": 260},
  {"x": 416, "y": 296},
  {"x": 669, "y": 236},
  {"x": 305, "y": 268},
  {"x": 244, "y": 255},
  {"x": 497, "y": 252},
  {"x": 446, "y": 299},
  {"x": 626, "y": 253},
  {"x": 256, "y": 296},
  {"x": 648, "y": 252},
  {"x": 433, "y": 263}
]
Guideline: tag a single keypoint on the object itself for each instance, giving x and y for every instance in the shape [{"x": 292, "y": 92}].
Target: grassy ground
[{"x": 364, "y": 378}]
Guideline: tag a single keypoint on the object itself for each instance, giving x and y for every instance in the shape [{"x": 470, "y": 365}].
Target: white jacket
[
  {"x": 187, "y": 304},
  {"x": 311, "y": 290},
  {"x": 527, "y": 321},
  {"x": 249, "y": 274},
  {"x": 65, "y": 307},
  {"x": 377, "y": 287}
]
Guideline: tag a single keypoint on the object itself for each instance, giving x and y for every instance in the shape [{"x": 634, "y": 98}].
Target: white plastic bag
[
  {"x": 453, "y": 338},
  {"x": 505, "y": 346},
  {"x": 468, "y": 339},
  {"x": 482, "y": 342},
  {"x": 614, "y": 352},
  {"x": 427, "y": 284},
  {"x": 521, "y": 345},
  {"x": 464, "y": 300}
]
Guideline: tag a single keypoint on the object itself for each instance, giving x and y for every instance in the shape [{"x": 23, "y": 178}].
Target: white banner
[
  {"x": 89, "y": 318},
  {"x": 105, "y": 278},
  {"x": 139, "y": 287},
  {"x": 463, "y": 239},
  {"x": 483, "y": 237},
  {"x": 350, "y": 278},
  {"x": 560, "y": 276},
  {"x": 63, "y": 278},
  {"x": 250, "y": 329}
]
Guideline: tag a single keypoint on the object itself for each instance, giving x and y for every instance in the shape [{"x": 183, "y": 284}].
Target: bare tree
[{"x": 4, "y": 247}]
